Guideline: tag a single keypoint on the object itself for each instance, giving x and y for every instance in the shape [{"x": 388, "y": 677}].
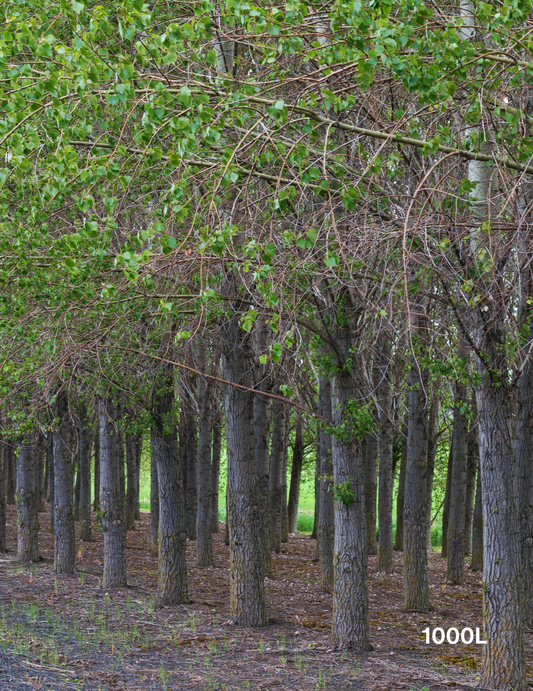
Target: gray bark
[
  {"x": 326, "y": 515},
  {"x": 456, "y": 521},
  {"x": 131, "y": 471},
  {"x": 350, "y": 591},
  {"x": 296, "y": 473},
  {"x": 247, "y": 589},
  {"x": 284, "y": 469},
  {"x": 96, "y": 484},
  {"x": 191, "y": 460},
  {"x": 172, "y": 538},
  {"x": 65, "y": 551},
  {"x": 262, "y": 460},
  {"x": 51, "y": 480},
  {"x": 204, "y": 540},
  {"x": 39, "y": 474},
  {"x": 3, "y": 473},
  {"x": 11, "y": 475},
  {"x": 400, "y": 500},
  {"x": 84, "y": 471},
  {"x": 217, "y": 449},
  {"x": 433, "y": 433},
  {"x": 472, "y": 455},
  {"x": 27, "y": 522},
  {"x": 476, "y": 563},
  {"x": 112, "y": 496},
  {"x": 154, "y": 493},
  {"x": 415, "y": 553},
  {"x": 276, "y": 470},
  {"x": 386, "y": 441},
  {"x": 446, "y": 506}
]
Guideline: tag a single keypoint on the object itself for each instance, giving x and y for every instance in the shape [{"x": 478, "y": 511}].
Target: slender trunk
[
  {"x": 446, "y": 506},
  {"x": 262, "y": 461},
  {"x": 172, "y": 542},
  {"x": 191, "y": 455},
  {"x": 433, "y": 432},
  {"x": 415, "y": 553},
  {"x": 247, "y": 588},
  {"x": 326, "y": 516},
  {"x": 139, "y": 438},
  {"x": 400, "y": 500},
  {"x": 154, "y": 493},
  {"x": 472, "y": 455},
  {"x": 296, "y": 473},
  {"x": 27, "y": 523},
  {"x": 371, "y": 479},
  {"x": 204, "y": 539},
  {"x": 11, "y": 475},
  {"x": 46, "y": 472},
  {"x": 316, "y": 514},
  {"x": 3, "y": 480},
  {"x": 65, "y": 556},
  {"x": 76, "y": 511},
  {"x": 112, "y": 496},
  {"x": 217, "y": 448},
  {"x": 284, "y": 469},
  {"x": 350, "y": 591},
  {"x": 51, "y": 478},
  {"x": 131, "y": 469},
  {"x": 456, "y": 521},
  {"x": 386, "y": 441},
  {"x": 96, "y": 485},
  {"x": 84, "y": 471},
  {"x": 476, "y": 563},
  {"x": 39, "y": 475},
  {"x": 276, "y": 469}
]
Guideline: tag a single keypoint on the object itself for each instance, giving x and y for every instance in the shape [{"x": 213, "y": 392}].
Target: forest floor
[{"x": 65, "y": 633}]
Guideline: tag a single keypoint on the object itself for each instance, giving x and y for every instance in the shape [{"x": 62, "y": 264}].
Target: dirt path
[{"x": 67, "y": 633}]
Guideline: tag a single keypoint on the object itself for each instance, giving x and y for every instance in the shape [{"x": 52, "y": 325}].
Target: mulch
[{"x": 66, "y": 632}]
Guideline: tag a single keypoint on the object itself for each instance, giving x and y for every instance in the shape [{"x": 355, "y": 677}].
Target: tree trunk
[
  {"x": 386, "y": 440},
  {"x": 96, "y": 485},
  {"x": 131, "y": 471},
  {"x": 262, "y": 461},
  {"x": 446, "y": 506},
  {"x": 39, "y": 474},
  {"x": 3, "y": 482},
  {"x": 27, "y": 522},
  {"x": 76, "y": 511},
  {"x": 84, "y": 471},
  {"x": 326, "y": 516},
  {"x": 217, "y": 448},
  {"x": 247, "y": 589},
  {"x": 433, "y": 434},
  {"x": 112, "y": 498},
  {"x": 371, "y": 479},
  {"x": 191, "y": 455},
  {"x": 65, "y": 553},
  {"x": 400, "y": 500},
  {"x": 276, "y": 469},
  {"x": 154, "y": 493},
  {"x": 350, "y": 591},
  {"x": 51, "y": 477},
  {"x": 11, "y": 475},
  {"x": 415, "y": 557},
  {"x": 284, "y": 470},
  {"x": 316, "y": 514},
  {"x": 296, "y": 473},
  {"x": 172, "y": 542},
  {"x": 139, "y": 438},
  {"x": 204, "y": 539},
  {"x": 476, "y": 563},
  {"x": 456, "y": 521},
  {"x": 472, "y": 455}
]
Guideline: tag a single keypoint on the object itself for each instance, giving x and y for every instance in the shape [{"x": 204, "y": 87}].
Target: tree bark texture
[
  {"x": 204, "y": 540},
  {"x": 284, "y": 470},
  {"x": 415, "y": 555},
  {"x": 276, "y": 469},
  {"x": 400, "y": 499},
  {"x": 51, "y": 477},
  {"x": 471, "y": 470},
  {"x": 3, "y": 479},
  {"x": 446, "y": 505},
  {"x": 97, "y": 468},
  {"x": 172, "y": 538},
  {"x": 215, "y": 478},
  {"x": 131, "y": 471},
  {"x": 370, "y": 450},
  {"x": 326, "y": 515},
  {"x": 296, "y": 474},
  {"x": 386, "y": 440},
  {"x": 247, "y": 590},
  {"x": 65, "y": 552},
  {"x": 456, "y": 521},
  {"x": 433, "y": 435},
  {"x": 39, "y": 474},
  {"x": 350, "y": 590},
  {"x": 262, "y": 460},
  {"x": 154, "y": 493},
  {"x": 84, "y": 471},
  {"x": 112, "y": 497},
  {"x": 11, "y": 475},
  {"x": 27, "y": 523}
]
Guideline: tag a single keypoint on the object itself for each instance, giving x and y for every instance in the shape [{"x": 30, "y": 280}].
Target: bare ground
[{"x": 66, "y": 633}]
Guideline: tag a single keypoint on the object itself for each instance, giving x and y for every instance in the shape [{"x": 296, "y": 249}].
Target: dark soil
[{"x": 67, "y": 633}]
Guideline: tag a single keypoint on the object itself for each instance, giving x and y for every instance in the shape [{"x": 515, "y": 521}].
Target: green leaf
[{"x": 77, "y": 6}]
